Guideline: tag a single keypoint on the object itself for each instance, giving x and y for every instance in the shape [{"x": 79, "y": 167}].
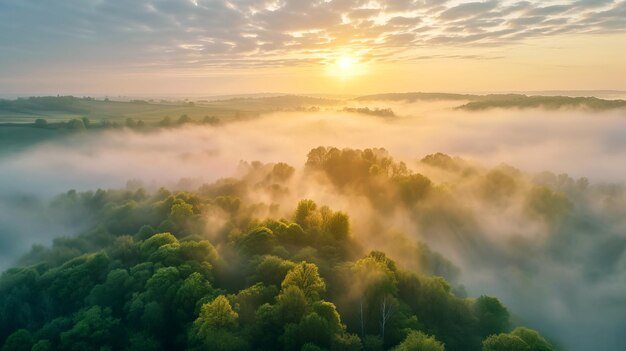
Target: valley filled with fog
[{"x": 524, "y": 204}]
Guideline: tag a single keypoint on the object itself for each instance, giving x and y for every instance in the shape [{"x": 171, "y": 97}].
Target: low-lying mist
[{"x": 551, "y": 246}]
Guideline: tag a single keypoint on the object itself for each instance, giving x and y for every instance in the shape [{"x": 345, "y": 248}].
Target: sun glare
[
  {"x": 345, "y": 66},
  {"x": 345, "y": 62}
]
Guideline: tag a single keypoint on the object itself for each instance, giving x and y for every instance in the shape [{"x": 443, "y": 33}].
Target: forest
[
  {"x": 218, "y": 268},
  {"x": 407, "y": 247},
  {"x": 325, "y": 175}
]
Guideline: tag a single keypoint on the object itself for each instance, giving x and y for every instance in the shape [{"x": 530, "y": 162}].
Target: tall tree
[{"x": 306, "y": 277}]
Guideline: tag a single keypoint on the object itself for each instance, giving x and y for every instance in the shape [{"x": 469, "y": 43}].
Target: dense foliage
[{"x": 201, "y": 271}]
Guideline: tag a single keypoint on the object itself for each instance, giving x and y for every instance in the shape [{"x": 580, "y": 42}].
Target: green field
[
  {"x": 64, "y": 114},
  {"x": 18, "y": 129},
  {"x": 65, "y": 108}
]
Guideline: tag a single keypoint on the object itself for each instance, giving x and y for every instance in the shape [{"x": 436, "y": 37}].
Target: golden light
[
  {"x": 345, "y": 66},
  {"x": 345, "y": 62}
]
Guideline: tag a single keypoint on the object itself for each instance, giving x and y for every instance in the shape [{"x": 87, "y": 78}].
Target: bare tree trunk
[
  {"x": 386, "y": 311},
  {"x": 362, "y": 319}
]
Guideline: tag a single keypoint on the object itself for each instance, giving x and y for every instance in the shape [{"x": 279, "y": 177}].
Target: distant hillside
[
  {"x": 602, "y": 94},
  {"x": 484, "y": 102},
  {"x": 547, "y": 102},
  {"x": 65, "y": 108},
  {"x": 411, "y": 97},
  {"x": 68, "y": 104},
  {"x": 285, "y": 101}
]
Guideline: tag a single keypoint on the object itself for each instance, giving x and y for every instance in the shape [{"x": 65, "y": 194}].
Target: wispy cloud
[{"x": 253, "y": 33}]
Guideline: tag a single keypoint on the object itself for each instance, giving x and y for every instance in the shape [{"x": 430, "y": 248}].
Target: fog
[{"x": 567, "y": 280}]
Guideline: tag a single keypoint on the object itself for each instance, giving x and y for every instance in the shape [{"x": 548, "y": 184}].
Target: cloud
[
  {"x": 469, "y": 9},
  {"x": 208, "y": 33}
]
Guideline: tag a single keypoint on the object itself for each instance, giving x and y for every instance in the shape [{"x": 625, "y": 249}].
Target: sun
[
  {"x": 345, "y": 66},
  {"x": 346, "y": 62}
]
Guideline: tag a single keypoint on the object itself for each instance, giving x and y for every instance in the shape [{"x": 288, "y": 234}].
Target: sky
[{"x": 205, "y": 47}]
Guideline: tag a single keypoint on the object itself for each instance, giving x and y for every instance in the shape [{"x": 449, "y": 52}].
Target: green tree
[
  {"x": 268, "y": 326},
  {"x": 130, "y": 123},
  {"x": 215, "y": 327},
  {"x": 42, "y": 345},
  {"x": 76, "y": 124},
  {"x": 211, "y": 120},
  {"x": 93, "y": 328},
  {"x": 315, "y": 330},
  {"x": 259, "y": 241},
  {"x": 338, "y": 226},
  {"x": 251, "y": 298},
  {"x": 306, "y": 277},
  {"x": 271, "y": 270},
  {"x": 328, "y": 312},
  {"x": 41, "y": 123},
  {"x": 166, "y": 121},
  {"x": 493, "y": 318},
  {"x": 163, "y": 285},
  {"x": 21, "y": 340},
  {"x": 180, "y": 211},
  {"x": 184, "y": 119},
  {"x": 374, "y": 286},
  {"x": 505, "y": 342},
  {"x": 312, "y": 347},
  {"x": 413, "y": 188},
  {"x": 152, "y": 244},
  {"x": 543, "y": 202},
  {"x": 372, "y": 343},
  {"x": 535, "y": 341},
  {"x": 418, "y": 341},
  {"x": 292, "y": 304},
  {"x": 281, "y": 172},
  {"x": 143, "y": 342},
  {"x": 346, "y": 342},
  {"x": 304, "y": 209},
  {"x": 216, "y": 314},
  {"x": 191, "y": 290},
  {"x": 73, "y": 281},
  {"x": 113, "y": 291}
]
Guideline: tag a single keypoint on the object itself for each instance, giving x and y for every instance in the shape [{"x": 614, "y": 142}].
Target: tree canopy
[{"x": 167, "y": 270}]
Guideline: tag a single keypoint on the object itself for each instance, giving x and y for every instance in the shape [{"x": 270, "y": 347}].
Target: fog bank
[{"x": 563, "y": 279}]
